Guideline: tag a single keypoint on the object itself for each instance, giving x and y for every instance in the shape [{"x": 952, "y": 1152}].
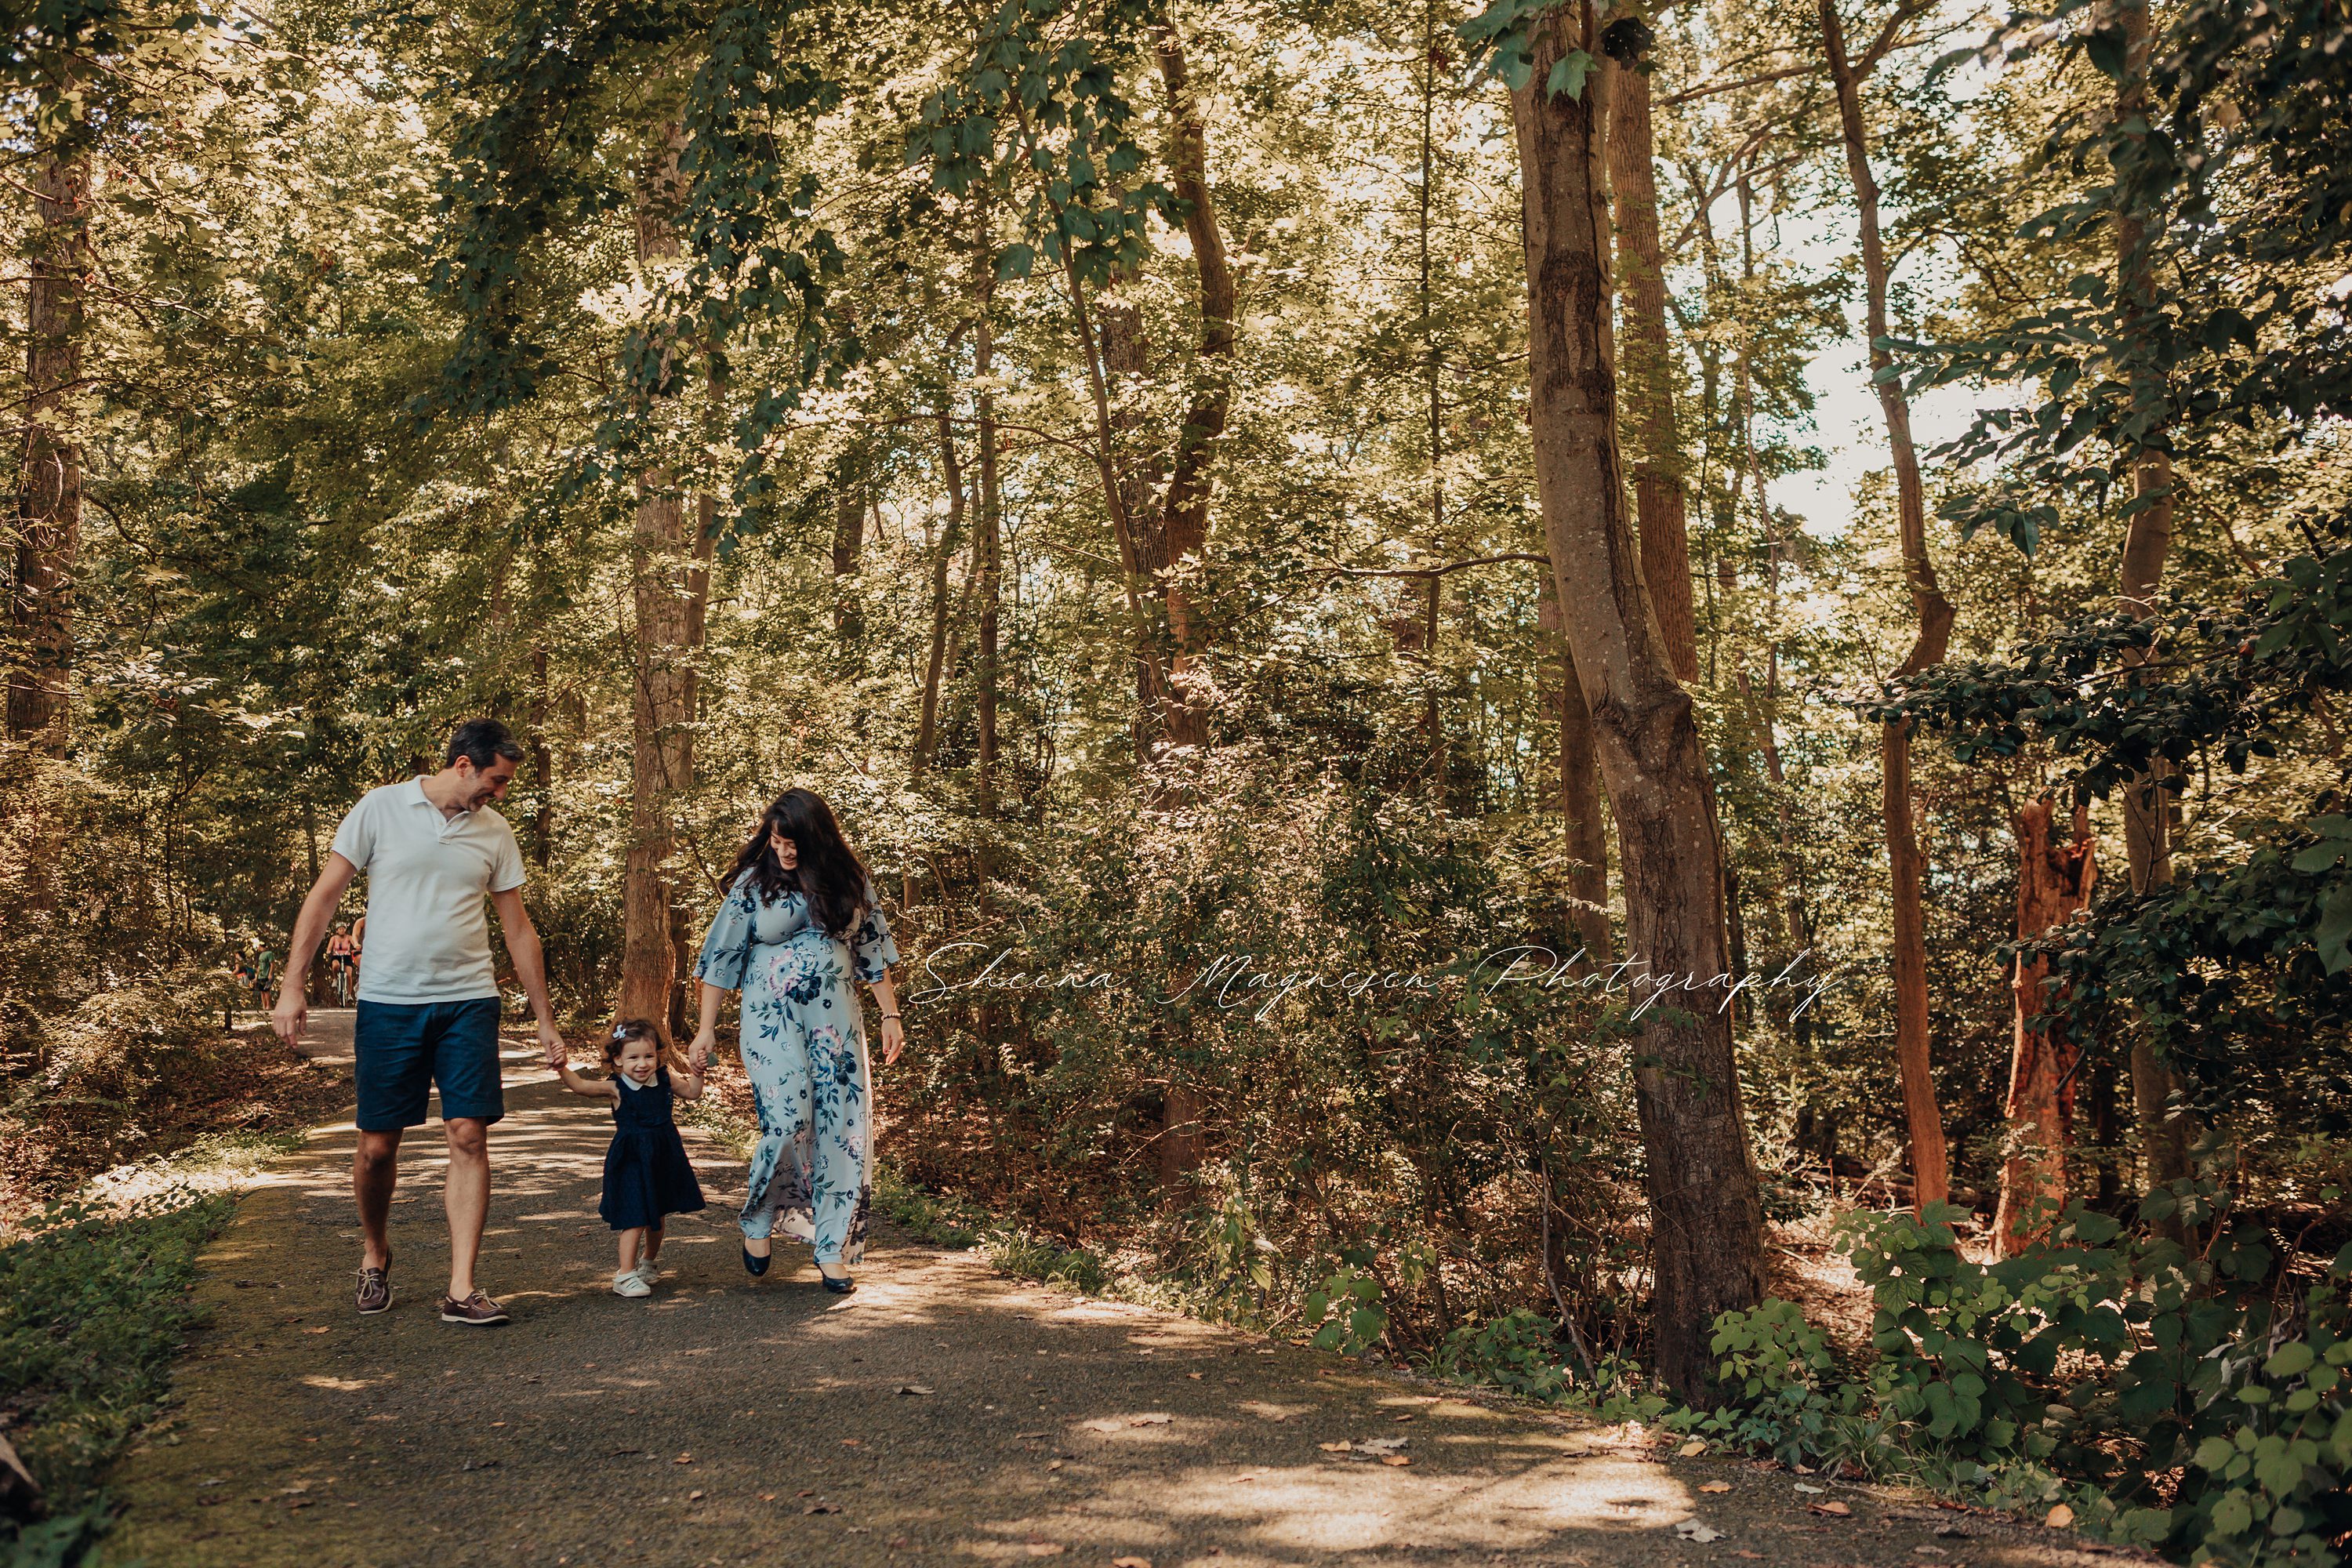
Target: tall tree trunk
[
  {"x": 2164, "y": 1133},
  {"x": 668, "y": 566},
  {"x": 927, "y": 728},
  {"x": 543, "y": 763},
  {"x": 848, "y": 550},
  {"x": 988, "y": 545},
  {"x": 1581, "y": 803},
  {"x": 1930, "y": 1162},
  {"x": 1706, "y": 1218},
  {"x": 1183, "y": 527},
  {"x": 2054, "y": 879},
  {"x": 48, "y": 494},
  {"x": 1647, "y": 371}
]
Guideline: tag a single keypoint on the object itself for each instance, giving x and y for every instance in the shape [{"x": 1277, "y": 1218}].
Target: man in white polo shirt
[{"x": 428, "y": 997}]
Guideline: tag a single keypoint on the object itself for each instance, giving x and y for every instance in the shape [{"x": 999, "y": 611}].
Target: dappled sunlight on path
[{"x": 941, "y": 1415}]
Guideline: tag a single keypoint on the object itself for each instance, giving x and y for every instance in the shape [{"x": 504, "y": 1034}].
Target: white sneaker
[
  {"x": 647, "y": 1270},
  {"x": 630, "y": 1283}
]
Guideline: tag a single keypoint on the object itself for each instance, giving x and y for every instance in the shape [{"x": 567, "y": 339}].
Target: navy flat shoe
[
  {"x": 841, "y": 1287},
  {"x": 755, "y": 1267}
]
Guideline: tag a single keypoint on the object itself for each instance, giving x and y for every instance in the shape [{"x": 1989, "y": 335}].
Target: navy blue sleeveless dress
[{"x": 646, "y": 1172}]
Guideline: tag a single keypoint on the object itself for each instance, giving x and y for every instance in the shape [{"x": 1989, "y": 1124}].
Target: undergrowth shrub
[
  {"x": 2198, "y": 1401},
  {"x": 93, "y": 1303}
]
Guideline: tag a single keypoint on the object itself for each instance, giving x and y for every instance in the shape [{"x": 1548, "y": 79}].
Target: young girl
[{"x": 647, "y": 1174}]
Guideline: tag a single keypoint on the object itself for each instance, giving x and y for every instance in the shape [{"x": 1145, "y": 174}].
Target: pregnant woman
[{"x": 800, "y": 924}]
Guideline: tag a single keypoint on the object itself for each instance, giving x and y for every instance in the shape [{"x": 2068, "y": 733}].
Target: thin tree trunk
[
  {"x": 670, "y": 584},
  {"x": 2164, "y": 1133},
  {"x": 989, "y": 547},
  {"x": 2054, "y": 879},
  {"x": 1647, "y": 371},
  {"x": 1706, "y": 1218},
  {"x": 48, "y": 495},
  {"x": 926, "y": 729},
  {"x": 1930, "y": 1162},
  {"x": 543, "y": 763},
  {"x": 848, "y": 549},
  {"x": 1183, "y": 530}
]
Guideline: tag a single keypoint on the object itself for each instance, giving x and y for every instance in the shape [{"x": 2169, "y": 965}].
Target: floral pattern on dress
[{"x": 804, "y": 1043}]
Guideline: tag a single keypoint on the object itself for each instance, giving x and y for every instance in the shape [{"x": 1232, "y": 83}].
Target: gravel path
[{"x": 941, "y": 1415}]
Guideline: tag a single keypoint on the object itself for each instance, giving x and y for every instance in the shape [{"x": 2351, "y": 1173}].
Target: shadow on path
[{"x": 724, "y": 1421}]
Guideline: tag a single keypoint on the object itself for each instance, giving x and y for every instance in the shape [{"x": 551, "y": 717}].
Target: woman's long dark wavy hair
[{"x": 830, "y": 875}]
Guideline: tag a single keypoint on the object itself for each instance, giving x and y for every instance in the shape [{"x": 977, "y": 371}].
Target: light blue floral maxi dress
[{"x": 804, "y": 1051}]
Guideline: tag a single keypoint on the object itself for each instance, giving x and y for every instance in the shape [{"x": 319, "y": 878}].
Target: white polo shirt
[{"x": 428, "y": 934}]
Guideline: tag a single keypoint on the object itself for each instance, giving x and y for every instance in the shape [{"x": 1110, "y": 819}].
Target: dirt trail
[{"x": 941, "y": 1415}]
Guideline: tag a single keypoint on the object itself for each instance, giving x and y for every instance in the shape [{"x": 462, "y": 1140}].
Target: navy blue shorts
[{"x": 404, "y": 1049}]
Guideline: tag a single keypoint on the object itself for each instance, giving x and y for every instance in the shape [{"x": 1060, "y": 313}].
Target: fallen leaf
[
  {"x": 498, "y": 1423},
  {"x": 1406, "y": 1417},
  {"x": 1695, "y": 1446},
  {"x": 2059, "y": 1518},
  {"x": 914, "y": 1388},
  {"x": 1131, "y": 1563},
  {"x": 767, "y": 1496},
  {"x": 1803, "y": 1488},
  {"x": 1691, "y": 1529},
  {"x": 1384, "y": 1445},
  {"x": 1834, "y": 1510},
  {"x": 314, "y": 1331},
  {"x": 694, "y": 1496},
  {"x": 1103, "y": 1424},
  {"x": 1029, "y": 1434},
  {"x": 1053, "y": 1463},
  {"x": 852, "y": 1442},
  {"x": 1395, "y": 1459},
  {"x": 1154, "y": 1419},
  {"x": 1342, "y": 1447},
  {"x": 896, "y": 1541},
  {"x": 1716, "y": 1487},
  {"x": 683, "y": 1460}
]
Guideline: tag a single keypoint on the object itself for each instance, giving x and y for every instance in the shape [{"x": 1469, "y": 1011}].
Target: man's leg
[
  {"x": 467, "y": 1199},
  {"x": 375, "y": 1166},
  {"x": 465, "y": 1065}
]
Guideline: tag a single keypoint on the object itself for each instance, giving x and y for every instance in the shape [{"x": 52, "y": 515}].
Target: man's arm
[
  {"x": 530, "y": 960},
  {"x": 292, "y": 1013}
]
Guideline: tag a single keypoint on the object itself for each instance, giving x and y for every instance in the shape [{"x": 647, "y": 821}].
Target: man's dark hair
[{"x": 482, "y": 741}]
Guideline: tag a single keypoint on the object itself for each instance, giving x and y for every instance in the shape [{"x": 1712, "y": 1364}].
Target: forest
[{"x": 1641, "y": 701}]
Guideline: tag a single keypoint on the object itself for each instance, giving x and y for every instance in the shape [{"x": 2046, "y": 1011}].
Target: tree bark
[
  {"x": 49, "y": 485},
  {"x": 670, "y": 582},
  {"x": 988, "y": 545},
  {"x": 2053, "y": 881},
  {"x": 1183, "y": 531},
  {"x": 927, "y": 728},
  {"x": 2164, "y": 1133},
  {"x": 1647, "y": 370},
  {"x": 1930, "y": 1164},
  {"x": 1704, "y": 1214},
  {"x": 1579, "y": 797},
  {"x": 848, "y": 549}
]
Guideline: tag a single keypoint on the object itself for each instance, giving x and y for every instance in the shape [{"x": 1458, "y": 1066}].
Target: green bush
[
  {"x": 1787, "y": 1396},
  {"x": 2198, "y": 1401},
  {"x": 1520, "y": 1351},
  {"x": 1344, "y": 1313}
]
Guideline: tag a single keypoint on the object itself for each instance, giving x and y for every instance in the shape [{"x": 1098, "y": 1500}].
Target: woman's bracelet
[{"x": 890, "y": 1015}]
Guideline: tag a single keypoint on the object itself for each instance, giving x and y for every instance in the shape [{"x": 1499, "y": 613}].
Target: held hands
[
  {"x": 558, "y": 1057},
  {"x": 697, "y": 1055}
]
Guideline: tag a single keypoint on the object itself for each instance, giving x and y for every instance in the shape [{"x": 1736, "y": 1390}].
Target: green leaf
[
  {"x": 1015, "y": 261},
  {"x": 1568, "y": 76}
]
